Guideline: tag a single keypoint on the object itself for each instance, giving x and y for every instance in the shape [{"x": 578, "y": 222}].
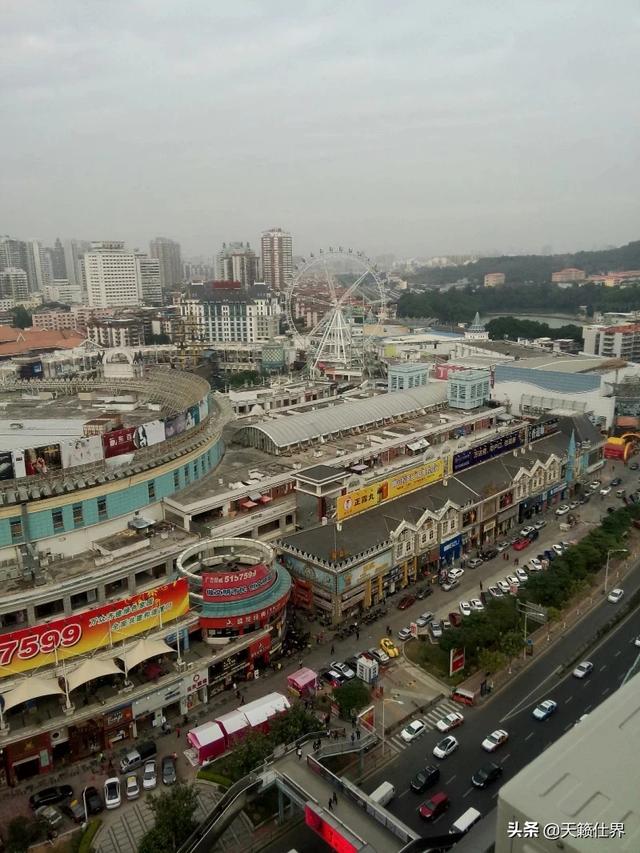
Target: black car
[
  {"x": 424, "y": 592},
  {"x": 93, "y": 800},
  {"x": 489, "y": 554},
  {"x": 532, "y": 535},
  {"x": 486, "y": 775},
  {"x": 169, "y": 775},
  {"x": 51, "y": 796},
  {"x": 616, "y": 481},
  {"x": 425, "y": 779}
]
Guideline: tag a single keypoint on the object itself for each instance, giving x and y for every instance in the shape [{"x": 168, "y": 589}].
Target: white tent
[
  {"x": 30, "y": 688},
  {"x": 90, "y": 669},
  {"x": 143, "y": 650}
]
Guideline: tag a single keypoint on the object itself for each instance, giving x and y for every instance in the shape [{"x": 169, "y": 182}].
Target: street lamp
[
  {"x": 606, "y": 571},
  {"x": 86, "y": 813}
]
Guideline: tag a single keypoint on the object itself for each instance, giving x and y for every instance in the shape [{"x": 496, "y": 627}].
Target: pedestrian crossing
[{"x": 430, "y": 719}]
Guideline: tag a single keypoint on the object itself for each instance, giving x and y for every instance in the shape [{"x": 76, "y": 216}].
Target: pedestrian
[
  {"x": 242, "y": 701},
  {"x": 299, "y": 753},
  {"x": 357, "y": 634},
  {"x": 358, "y": 733},
  {"x": 330, "y": 804},
  {"x": 178, "y": 731},
  {"x": 300, "y": 662},
  {"x": 480, "y": 586},
  {"x": 353, "y": 737},
  {"x": 335, "y": 799},
  {"x": 333, "y": 649},
  {"x": 235, "y": 688}
]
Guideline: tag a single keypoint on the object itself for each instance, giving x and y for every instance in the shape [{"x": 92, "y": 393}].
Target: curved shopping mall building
[{"x": 101, "y": 633}]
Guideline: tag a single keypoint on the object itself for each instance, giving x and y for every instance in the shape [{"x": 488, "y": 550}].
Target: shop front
[
  {"x": 429, "y": 563},
  {"x": 450, "y": 551},
  {"x": 557, "y": 494},
  {"x": 531, "y": 507},
  {"x": 150, "y": 711},
  {"x": 28, "y": 758},
  {"x": 507, "y": 520},
  {"x": 489, "y": 532},
  {"x": 117, "y": 726}
]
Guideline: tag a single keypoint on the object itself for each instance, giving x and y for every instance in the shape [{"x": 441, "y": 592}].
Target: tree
[
  {"x": 173, "y": 812},
  {"x": 511, "y": 644},
  {"x": 351, "y": 697},
  {"x": 21, "y": 317},
  {"x": 22, "y": 832},
  {"x": 247, "y": 755},
  {"x": 491, "y": 661},
  {"x": 292, "y": 725}
]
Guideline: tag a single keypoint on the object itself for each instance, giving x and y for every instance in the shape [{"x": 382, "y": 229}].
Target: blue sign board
[
  {"x": 452, "y": 544},
  {"x": 494, "y": 447}
]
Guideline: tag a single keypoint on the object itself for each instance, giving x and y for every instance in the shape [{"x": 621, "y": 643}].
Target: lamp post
[
  {"x": 606, "y": 571},
  {"x": 84, "y": 803}
]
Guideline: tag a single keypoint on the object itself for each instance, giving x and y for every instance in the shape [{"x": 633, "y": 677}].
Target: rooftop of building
[
  {"x": 14, "y": 342},
  {"x": 507, "y": 348},
  {"x": 568, "y": 363}
]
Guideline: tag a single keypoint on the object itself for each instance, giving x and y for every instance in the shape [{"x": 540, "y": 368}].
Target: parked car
[
  {"x": 615, "y": 596},
  {"x": 526, "y": 531},
  {"x": 436, "y": 630},
  {"x": 522, "y": 576},
  {"x": 540, "y": 524},
  {"x": 169, "y": 774},
  {"x": 545, "y": 709},
  {"x": 489, "y": 553},
  {"x": 333, "y": 678},
  {"x": 558, "y": 549},
  {"x": 605, "y": 491},
  {"x": 389, "y": 647},
  {"x": 448, "y": 585},
  {"x": 465, "y": 608},
  {"x": 51, "y": 815},
  {"x": 495, "y": 592},
  {"x": 574, "y": 505},
  {"x": 455, "y": 574},
  {"x": 476, "y": 605},
  {"x": 533, "y": 536},
  {"x": 379, "y": 655},
  {"x": 504, "y": 587},
  {"x": 535, "y": 564},
  {"x": 563, "y": 509},
  {"x": 494, "y": 740},
  {"x": 425, "y": 779},
  {"x": 583, "y": 669},
  {"x": 343, "y": 669},
  {"x": 502, "y": 546},
  {"x": 112, "y": 797},
  {"x": 434, "y": 807},
  {"x": 424, "y": 619},
  {"x": 486, "y": 775},
  {"x": 424, "y": 592},
  {"x": 474, "y": 562},
  {"x": 149, "y": 775},
  {"x": 446, "y": 747},
  {"x": 450, "y": 721},
  {"x": 616, "y": 481},
  {"x": 406, "y": 601},
  {"x": 51, "y": 796},
  {"x": 413, "y": 731},
  {"x": 404, "y": 633},
  {"x": 93, "y": 800},
  {"x": 512, "y": 580},
  {"x": 521, "y": 544},
  {"x": 75, "y": 810},
  {"x": 132, "y": 786},
  {"x": 455, "y": 619}
]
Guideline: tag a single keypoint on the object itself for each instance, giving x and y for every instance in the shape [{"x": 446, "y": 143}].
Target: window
[
  {"x": 58, "y": 521},
  {"x": 187, "y": 474},
  {"x": 16, "y": 530},
  {"x": 151, "y": 490},
  {"x": 78, "y": 519},
  {"x": 102, "y": 509}
]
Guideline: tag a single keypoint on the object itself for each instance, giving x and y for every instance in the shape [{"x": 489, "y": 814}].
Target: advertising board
[
  {"x": 64, "y": 638},
  {"x": 118, "y": 441},
  {"x": 415, "y": 478},
  {"x": 81, "y": 450},
  {"x": 487, "y": 450},
  {"x": 235, "y": 586},
  {"x": 541, "y": 430},
  {"x": 456, "y": 661},
  {"x": 399, "y": 484},
  {"x": 42, "y": 460}
]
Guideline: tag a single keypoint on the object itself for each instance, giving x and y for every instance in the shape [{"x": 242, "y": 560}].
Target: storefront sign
[
  {"x": 210, "y": 620},
  {"x": 235, "y": 586},
  {"x": 536, "y": 431},
  {"x": 157, "y": 700},
  {"x": 447, "y": 547},
  {"x": 260, "y": 647},
  {"x": 64, "y": 638},
  {"x": 195, "y": 682},
  {"x": 380, "y": 564},
  {"x": 117, "y": 717},
  {"x": 488, "y": 450},
  {"x": 558, "y": 488},
  {"x": 399, "y": 484}
]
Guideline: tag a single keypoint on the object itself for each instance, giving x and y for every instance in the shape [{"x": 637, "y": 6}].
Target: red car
[
  {"x": 433, "y": 808},
  {"x": 521, "y": 544},
  {"x": 406, "y": 602}
]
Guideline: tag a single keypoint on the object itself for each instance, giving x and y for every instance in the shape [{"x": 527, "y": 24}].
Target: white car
[
  {"x": 583, "y": 669},
  {"x": 536, "y": 564},
  {"x": 413, "y": 731},
  {"x": 522, "y": 576},
  {"x": 545, "y": 709},
  {"x": 636, "y": 642},
  {"x": 424, "y": 619},
  {"x": 112, "y": 798},
  {"x": 595, "y": 485},
  {"x": 436, "y": 630},
  {"x": 343, "y": 669},
  {"x": 558, "y": 549},
  {"x": 476, "y": 604},
  {"x": 446, "y": 747},
  {"x": 132, "y": 787},
  {"x": 502, "y": 546},
  {"x": 149, "y": 775},
  {"x": 512, "y": 580},
  {"x": 496, "y": 592},
  {"x": 504, "y": 587},
  {"x": 494, "y": 740},
  {"x": 465, "y": 608},
  {"x": 451, "y": 721},
  {"x": 455, "y": 574},
  {"x": 526, "y": 531},
  {"x": 540, "y": 524},
  {"x": 404, "y": 633},
  {"x": 615, "y": 595},
  {"x": 563, "y": 509},
  {"x": 605, "y": 490}
]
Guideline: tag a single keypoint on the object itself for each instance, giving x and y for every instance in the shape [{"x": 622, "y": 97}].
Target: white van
[
  {"x": 383, "y": 794},
  {"x": 466, "y": 821}
]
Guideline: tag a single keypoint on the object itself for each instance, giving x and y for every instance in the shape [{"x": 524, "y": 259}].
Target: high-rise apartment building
[
  {"x": 231, "y": 315},
  {"x": 74, "y": 251},
  {"x": 613, "y": 341},
  {"x": 13, "y": 284},
  {"x": 150, "y": 273},
  {"x": 168, "y": 253},
  {"x": 58, "y": 261},
  {"x": 112, "y": 275},
  {"x": 277, "y": 259},
  {"x": 237, "y": 262},
  {"x": 39, "y": 266}
]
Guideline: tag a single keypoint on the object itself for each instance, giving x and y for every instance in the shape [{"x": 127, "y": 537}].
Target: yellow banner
[{"x": 367, "y": 497}]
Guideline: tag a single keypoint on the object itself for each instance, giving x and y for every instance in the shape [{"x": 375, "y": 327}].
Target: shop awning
[
  {"x": 30, "y": 688},
  {"x": 248, "y": 504},
  {"x": 255, "y": 496},
  {"x": 90, "y": 669},
  {"x": 265, "y": 499},
  {"x": 143, "y": 650}
]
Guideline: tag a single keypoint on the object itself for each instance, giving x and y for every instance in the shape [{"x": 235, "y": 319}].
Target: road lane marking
[
  {"x": 605, "y": 691},
  {"x": 567, "y": 700},
  {"x": 508, "y": 755},
  {"x": 529, "y": 735},
  {"x": 617, "y": 653},
  {"x": 493, "y": 796},
  {"x": 570, "y": 726},
  {"x": 448, "y": 782},
  {"x": 587, "y": 709},
  {"x": 602, "y": 668},
  {"x": 467, "y": 792}
]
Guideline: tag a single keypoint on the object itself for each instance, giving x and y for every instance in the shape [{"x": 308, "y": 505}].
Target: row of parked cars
[
  {"x": 113, "y": 788},
  {"x": 340, "y": 672},
  {"x": 52, "y": 803}
]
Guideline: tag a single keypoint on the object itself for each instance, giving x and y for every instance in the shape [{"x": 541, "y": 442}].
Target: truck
[{"x": 383, "y": 794}]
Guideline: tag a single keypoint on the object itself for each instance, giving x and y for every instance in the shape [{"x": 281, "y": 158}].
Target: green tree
[
  {"x": 247, "y": 755},
  {"x": 292, "y": 725},
  {"x": 351, "y": 697},
  {"x": 21, "y": 317},
  {"x": 22, "y": 832},
  {"x": 173, "y": 812},
  {"x": 511, "y": 644},
  {"x": 491, "y": 661}
]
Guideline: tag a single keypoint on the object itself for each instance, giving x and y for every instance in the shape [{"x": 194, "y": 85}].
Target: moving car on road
[
  {"x": 425, "y": 778},
  {"x": 494, "y": 740},
  {"x": 583, "y": 669},
  {"x": 451, "y": 721},
  {"x": 424, "y": 619},
  {"x": 413, "y": 731},
  {"x": 486, "y": 775},
  {"x": 545, "y": 709},
  {"x": 446, "y": 747},
  {"x": 540, "y": 524},
  {"x": 406, "y": 601},
  {"x": 563, "y": 509},
  {"x": 615, "y": 595},
  {"x": 434, "y": 807}
]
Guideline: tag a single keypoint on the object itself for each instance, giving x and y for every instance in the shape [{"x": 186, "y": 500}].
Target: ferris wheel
[{"x": 333, "y": 297}]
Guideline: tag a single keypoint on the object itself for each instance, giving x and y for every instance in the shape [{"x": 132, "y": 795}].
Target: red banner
[
  {"x": 456, "y": 661},
  {"x": 237, "y": 585},
  {"x": 118, "y": 441},
  {"x": 260, "y": 647},
  {"x": 64, "y": 638}
]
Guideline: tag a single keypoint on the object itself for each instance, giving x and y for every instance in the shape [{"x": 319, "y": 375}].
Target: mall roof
[
  {"x": 312, "y": 426},
  {"x": 568, "y": 363}
]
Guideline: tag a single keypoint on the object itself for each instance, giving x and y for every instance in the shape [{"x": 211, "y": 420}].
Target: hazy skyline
[{"x": 418, "y": 128}]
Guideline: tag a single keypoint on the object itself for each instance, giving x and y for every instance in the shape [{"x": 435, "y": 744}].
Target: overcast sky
[{"x": 417, "y": 128}]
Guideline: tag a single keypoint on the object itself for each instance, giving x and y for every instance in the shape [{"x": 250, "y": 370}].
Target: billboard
[
  {"x": 118, "y": 441},
  {"x": 487, "y": 450},
  {"x": 41, "y": 460},
  {"x": 192, "y": 417},
  {"x": 203, "y": 406},
  {"x": 81, "y": 451},
  {"x": 235, "y": 586},
  {"x": 393, "y": 487},
  {"x": 6, "y": 465},
  {"x": 69, "y": 636},
  {"x": 149, "y": 434},
  {"x": 456, "y": 661},
  {"x": 541, "y": 430},
  {"x": 175, "y": 425}
]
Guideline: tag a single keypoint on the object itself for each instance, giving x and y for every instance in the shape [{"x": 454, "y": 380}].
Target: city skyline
[{"x": 408, "y": 133}]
